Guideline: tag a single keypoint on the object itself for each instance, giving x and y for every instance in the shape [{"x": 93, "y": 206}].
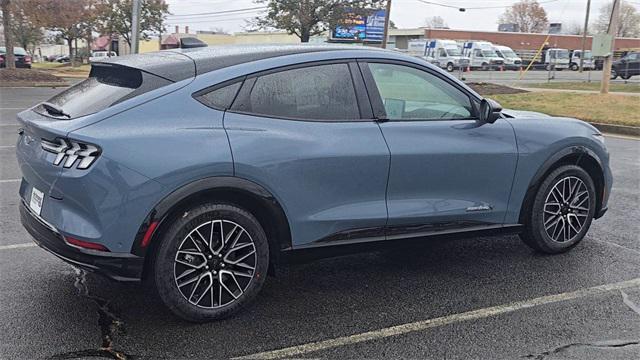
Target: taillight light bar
[
  {"x": 84, "y": 244},
  {"x": 70, "y": 151}
]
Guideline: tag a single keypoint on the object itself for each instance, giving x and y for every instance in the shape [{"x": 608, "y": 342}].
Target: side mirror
[{"x": 489, "y": 111}]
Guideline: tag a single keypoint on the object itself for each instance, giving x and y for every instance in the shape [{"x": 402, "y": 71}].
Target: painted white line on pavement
[
  {"x": 627, "y": 137},
  {"x": 17, "y": 246},
  {"x": 296, "y": 351},
  {"x": 9, "y": 181},
  {"x": 9, "y": 124},
  {"x": 7, "y": 146},
  {"x": 4, "y": 108}
]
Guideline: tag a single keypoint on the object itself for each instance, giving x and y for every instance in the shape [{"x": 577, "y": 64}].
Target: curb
[
  {"x": 617, "y": 129},
  {"x": 54, "y": 84}
]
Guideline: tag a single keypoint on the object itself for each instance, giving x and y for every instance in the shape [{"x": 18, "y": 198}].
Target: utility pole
[
  {"x": 386, "y": 24},
  {"x": 612, "y": 30},
  {"x": 584, "y": 34},
  {"x": 135, "y": 26}
]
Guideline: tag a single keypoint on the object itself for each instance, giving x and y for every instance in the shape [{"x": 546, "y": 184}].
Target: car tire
[
  {"x": 561, "y": 211},
  {"x": 575, "y": 67},
  {"x": 450, "y": 67},
  {"x": 199, "y": 276},
  {"x": 485, "y": 67},
  {"x": 625, "y": 77},
  {"x": 614, "y": 74}
]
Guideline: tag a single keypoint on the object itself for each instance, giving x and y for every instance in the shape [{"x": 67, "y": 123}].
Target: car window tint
[
  {"x": 411, "y": 94},
  {"x": 322, "y": 92},
  {"x": 220, "y": 98},
  {"x": 105, "y": 87}
]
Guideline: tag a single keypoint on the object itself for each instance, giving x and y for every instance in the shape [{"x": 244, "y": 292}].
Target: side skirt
[{"x": 325, "y": 249}]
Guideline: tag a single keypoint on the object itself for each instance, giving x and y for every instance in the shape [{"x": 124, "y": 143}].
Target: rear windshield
[
  {"x": 16, "y": 50},
  {"x": 106, "y": 86}
]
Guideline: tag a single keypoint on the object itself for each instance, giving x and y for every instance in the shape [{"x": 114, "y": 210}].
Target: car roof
[{"x": 180, "y": 64}]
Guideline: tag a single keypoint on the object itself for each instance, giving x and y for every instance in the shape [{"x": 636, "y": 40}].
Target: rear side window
[
  {"x": 321, "y": 92},
  {"x": 220, "y": 98},
  {"x": 106, "y": 86}
]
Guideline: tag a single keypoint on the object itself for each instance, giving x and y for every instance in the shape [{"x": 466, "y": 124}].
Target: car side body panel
[{"x": 539, "y": 141}]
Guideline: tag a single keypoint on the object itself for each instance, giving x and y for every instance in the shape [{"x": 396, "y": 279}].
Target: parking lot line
[
  {"x": 299, "y": 350},
  {"x": 9, "y": 181},
  {"x": 17, "y": 246}
]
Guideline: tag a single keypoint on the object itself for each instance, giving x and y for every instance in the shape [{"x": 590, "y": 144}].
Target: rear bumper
[{"x": 117, "y": 266}]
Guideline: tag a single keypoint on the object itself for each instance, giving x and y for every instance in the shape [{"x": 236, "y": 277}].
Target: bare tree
[
  {"x": 528, "y": 14},
  {"x": 628, "y": 21},
  {"x": 436, "y": 22},
  {"x": 574, "y": 28},
  {"x": 9, "y": 58}
]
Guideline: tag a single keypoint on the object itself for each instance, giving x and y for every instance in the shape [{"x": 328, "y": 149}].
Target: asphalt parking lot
[{"x": 472, "y": 298}]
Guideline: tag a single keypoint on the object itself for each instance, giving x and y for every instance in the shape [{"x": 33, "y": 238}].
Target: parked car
[
  {"x": 22, "y": 58},
  {"x": 202, "y": 170},
  {"x": 627, "y": 66},
  {"x": 63, "y": 59},
  {"x": 101, "y": 55}
]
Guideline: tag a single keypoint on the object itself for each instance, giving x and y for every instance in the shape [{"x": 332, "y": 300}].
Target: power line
[
  {"x": 463, "y": 8},
  {"x": 220, "y": 12}
]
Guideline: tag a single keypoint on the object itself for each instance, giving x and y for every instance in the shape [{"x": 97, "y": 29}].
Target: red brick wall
[{"x": 525, "y": 41}]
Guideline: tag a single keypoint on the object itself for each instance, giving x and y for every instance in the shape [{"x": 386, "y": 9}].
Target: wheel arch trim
[
  {"x": 575, "y": 151},
  {"x": 205, "y": 186}
]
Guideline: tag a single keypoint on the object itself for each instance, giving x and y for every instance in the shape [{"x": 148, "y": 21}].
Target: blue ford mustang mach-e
[{"x": 202, "y": 169}]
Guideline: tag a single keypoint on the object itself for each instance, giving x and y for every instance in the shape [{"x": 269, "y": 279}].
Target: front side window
[
  {"x": 321, "y": 92},
  {"x": 412, "y": 94}
]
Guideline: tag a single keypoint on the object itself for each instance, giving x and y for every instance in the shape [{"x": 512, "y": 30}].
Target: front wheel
[
  {"x": 450, "y": 67},
  {"x": 561, "y": 211},
  {"x": 211, "y": 263},
  {"x": 575, "y": 67},
  {"x": 625, "y": 77}
]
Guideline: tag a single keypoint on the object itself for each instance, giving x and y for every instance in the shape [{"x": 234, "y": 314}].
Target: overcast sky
[{"x": 404, "y": 13}]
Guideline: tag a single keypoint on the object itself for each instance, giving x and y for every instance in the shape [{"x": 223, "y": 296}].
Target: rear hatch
[{"x": 44, "y": 145}]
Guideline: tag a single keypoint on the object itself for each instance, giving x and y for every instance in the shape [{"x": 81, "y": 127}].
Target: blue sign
[{"x": 363, "y": 28}]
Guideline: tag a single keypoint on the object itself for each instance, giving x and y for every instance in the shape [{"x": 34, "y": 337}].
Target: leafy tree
[
  {"x": 8, "y": 39},
  {"x": 26, "y": 29},
  {"x": 435, "y": 22},
  {"x": 528, "y": 14},
  {"x": 115, "y": 17},
  {"x": 65, "y": 18},
  {"x": 628, "y": 20},
  {"x": 306, "y": 18}
]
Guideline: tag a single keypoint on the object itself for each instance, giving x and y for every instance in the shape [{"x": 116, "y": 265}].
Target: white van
[
  {"x": 447, "y": 54},
  {"x": 482, "y": 55},
  {"x": 101, "y": 55},
  {"x": 511, "y": 59}
]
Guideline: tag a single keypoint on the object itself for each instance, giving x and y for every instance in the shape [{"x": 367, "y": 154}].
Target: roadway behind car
[{"x": 336, "y": 298}]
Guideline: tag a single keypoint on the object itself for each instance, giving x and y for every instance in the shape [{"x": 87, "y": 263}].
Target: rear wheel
[
  {"x": 211, "y": 263},
  {"x": 614, "y": 74},
  {"x": 561, "y": 212},
  {"x": 625, "y": 77}
]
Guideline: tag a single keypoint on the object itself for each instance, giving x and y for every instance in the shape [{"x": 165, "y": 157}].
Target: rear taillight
[
  {"x": 27, "y": 59},
  {"x": 70, "y": 151},
  {"x": 84, "y": 244}
]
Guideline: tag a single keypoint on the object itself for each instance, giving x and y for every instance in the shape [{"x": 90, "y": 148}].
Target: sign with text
[{"x": 362, "y": 28}]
